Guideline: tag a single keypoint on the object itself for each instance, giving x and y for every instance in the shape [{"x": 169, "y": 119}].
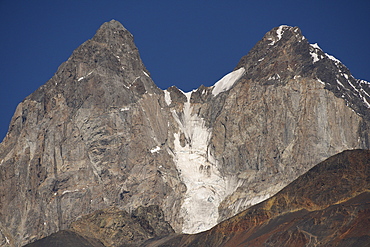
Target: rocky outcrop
[
  {"x": 111, "y": 227},
  {"x": 327, "y": 206},
  {"x": 100, "y": 134},
  {"x": 114, "y": 227}
]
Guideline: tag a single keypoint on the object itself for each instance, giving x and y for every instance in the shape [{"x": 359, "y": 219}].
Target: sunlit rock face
[{"x": 101, "y": 134}]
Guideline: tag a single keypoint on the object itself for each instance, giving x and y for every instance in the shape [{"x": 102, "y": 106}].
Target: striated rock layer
[{"x": 101, "y": 134}]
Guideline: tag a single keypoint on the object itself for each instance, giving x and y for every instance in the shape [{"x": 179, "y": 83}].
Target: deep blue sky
[{"x": 182, "y": 43}]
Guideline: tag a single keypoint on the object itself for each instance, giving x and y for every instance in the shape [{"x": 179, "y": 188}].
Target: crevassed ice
[
  {"x": 227, "y": 81},
  {"x": 197, "y": 169}
]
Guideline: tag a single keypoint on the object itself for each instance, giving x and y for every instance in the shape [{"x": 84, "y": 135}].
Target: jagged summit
[
  {"x": 109, "y": 64},
  {"x": 282, "y": 32},
  {"x": 281, "y": 54},
  {"x": 284, "y": 54},
  {"x": 112, "y": 24},
  {"x": 112, "y": 32}
]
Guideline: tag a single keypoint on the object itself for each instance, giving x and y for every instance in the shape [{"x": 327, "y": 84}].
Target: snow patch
[
  {"x": 313, "y": 52},
  {"x": 83, "y": 77},
  {"x": 155, "y": 150},
  {"x": 274, "y": 77},
  {"x": 340, "y": 83},
  {"x": 134, "y": 80},
  {"x": 365, "y": 101},
  {"x": 272, "y": 41},
  {"x": 69, "y": 191},
  {"x": 349, "y": 82},
  {"x": 363, "y": 91},
  {"x": 332, "y": 58},
  {"x": 364, "y": 82},
  {"x": 323, "y": 83},
  {"x": 280, "y": 32},
  {"x": 227, "y": 81},
  {"x": 314, "y": 57},
  {"x": 316, "y": 46},
  {"x": 167, "y": 97}
]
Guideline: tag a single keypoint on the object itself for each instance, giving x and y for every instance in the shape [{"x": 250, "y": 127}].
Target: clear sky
[{"x": 182, "y": 43}]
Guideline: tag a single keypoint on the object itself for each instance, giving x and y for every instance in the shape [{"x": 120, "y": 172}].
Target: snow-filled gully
[
  {"x": 206, "y": 189},
  {"x": 205, "y": 186}
]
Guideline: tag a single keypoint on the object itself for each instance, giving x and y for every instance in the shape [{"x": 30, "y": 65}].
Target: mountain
[{"x": 101, "y": 135}]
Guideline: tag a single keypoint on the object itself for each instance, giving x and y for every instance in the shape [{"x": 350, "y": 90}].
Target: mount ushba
[{"x": 101, "y": 138}]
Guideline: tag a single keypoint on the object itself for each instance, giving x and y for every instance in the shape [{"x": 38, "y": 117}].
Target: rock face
[
  {"x": 100, "y": 134},
  {"x": 327, "y": 206},
  {"x": 111, "y": 227},
  {"x": 114, "y": 227}
]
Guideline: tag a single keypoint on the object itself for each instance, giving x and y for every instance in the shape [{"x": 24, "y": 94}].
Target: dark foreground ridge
[
  {"x": 327, "y": 206},
  {"x": 66, "y": 239}
]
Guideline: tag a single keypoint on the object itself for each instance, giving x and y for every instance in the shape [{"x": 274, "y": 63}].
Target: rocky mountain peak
[
  {"x": 280, "y": 55},
  {"x": 105, "y": 71},
  {"x": 282, "y": 33},
  {"x": 113, "y": 32},
  {"x": 112, "y": 25},
  {"x": 284, "y": 54}
]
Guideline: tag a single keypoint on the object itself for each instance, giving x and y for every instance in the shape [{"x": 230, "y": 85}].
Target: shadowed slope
[{"x": 66, "y": 239}]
